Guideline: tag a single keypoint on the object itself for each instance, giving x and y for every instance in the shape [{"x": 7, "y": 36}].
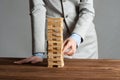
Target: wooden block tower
[{"x": 55, "y": 42}]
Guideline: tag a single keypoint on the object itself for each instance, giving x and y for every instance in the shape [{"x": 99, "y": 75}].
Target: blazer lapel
[{"x": 56, "y": 4}]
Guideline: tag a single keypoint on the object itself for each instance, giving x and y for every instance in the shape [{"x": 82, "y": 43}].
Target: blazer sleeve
[
  {"x": 39, "y": 20},
  {"x": 85, "y": 18}
]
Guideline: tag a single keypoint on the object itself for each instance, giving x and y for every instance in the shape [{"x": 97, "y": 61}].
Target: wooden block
[
  {"x": 58, "y": 66},
  {"x": 55, "y": 30},
  {"x": 54, "y": 52},
  {"x": 58, "y": 59},
  {"x": 54, "y": 39},
  {"x": 55, "y": 64},
  {"x": 54, "y": 48},
  {"x": 58, "y": 42},
  {"x": 55, "y": 44},
  {"x": 55, "y": 34},
  {"x": 55, "y": 59},
  {"x": 55, "y": 56},
  {"x": 55, "y": 22}
]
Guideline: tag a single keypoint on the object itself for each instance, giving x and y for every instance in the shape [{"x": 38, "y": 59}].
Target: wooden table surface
[{"x": 75, "y": 69}]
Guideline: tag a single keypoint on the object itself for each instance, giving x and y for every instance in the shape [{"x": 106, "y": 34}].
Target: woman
[{"x": 80, "y": 39}]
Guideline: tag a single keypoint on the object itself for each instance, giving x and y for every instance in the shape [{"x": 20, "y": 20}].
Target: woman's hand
[
  {"x": 69, "y": 46},
  {"x": 32, "y": 59}
]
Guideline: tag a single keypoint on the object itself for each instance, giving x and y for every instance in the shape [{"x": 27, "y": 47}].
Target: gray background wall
[
  {"x": 15, "y": 28},
  {"x": 107, "y": 23}
]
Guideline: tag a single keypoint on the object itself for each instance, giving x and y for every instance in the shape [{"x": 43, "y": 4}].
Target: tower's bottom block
[{"x": 55, "y": 63}]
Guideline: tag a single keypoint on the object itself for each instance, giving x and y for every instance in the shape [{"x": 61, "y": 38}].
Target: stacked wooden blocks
[{"x": 55, "y": 42}]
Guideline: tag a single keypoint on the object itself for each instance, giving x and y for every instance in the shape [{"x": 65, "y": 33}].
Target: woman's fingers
[
  {"x": 69, "y": 47},
  {"x": 66, "y": 45},
  {"x": 23, "y": 61},
  {"x": 33, "y": 59}
]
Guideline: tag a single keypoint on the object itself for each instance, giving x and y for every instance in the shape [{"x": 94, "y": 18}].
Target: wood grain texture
[
  {"x": 74, "y": 69},
  {"x": 55, "y": 42}
]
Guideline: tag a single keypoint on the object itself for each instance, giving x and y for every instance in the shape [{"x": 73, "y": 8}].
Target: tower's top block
[{"x": 55, "y": 23}]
